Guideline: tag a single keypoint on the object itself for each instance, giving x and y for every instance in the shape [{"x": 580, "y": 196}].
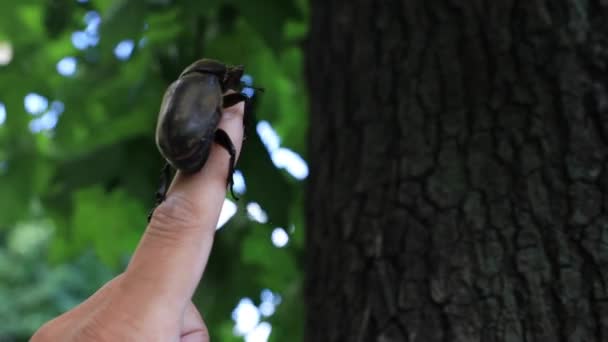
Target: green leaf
[
  {"x": 110, "y": 223},
  {"x": 277, "y": 264},
  {"x": 163, "y": 27},
  {"x": 271, "y": 21},
  {"x": 123, "y": 20}
]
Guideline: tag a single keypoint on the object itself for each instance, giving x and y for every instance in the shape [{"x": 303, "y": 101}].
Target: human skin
[{"x": 151, "y": 299}]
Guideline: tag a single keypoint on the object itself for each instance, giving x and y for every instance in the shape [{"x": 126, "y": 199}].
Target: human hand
[{"x": 151, "y": 299}]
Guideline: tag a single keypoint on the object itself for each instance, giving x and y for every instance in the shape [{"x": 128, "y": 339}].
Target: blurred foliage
[{"x": 74, "y": 197}]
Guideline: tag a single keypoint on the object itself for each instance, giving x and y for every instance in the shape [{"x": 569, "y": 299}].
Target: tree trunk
[{"x": 459, "y": 171}]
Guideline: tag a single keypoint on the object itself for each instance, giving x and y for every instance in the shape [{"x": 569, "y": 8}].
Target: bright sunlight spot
[
  {"x": 259, "y": 333},
  {"x": 57, "y": 106},
  {"x": 6, "y": 53},
  {"x": 256, "y": 213},
  {"x": 279, "y": 237},
  {"x": 269, "y": 137},
  {"x": 268, "y": 296},
  {"x": 239, "y": 182},
  {"x": 247, "y": 79},
  {"x": 124, "y": 49},
  {"x": 92, "y": 19},
  {"x": 90, "y": 36},
  {"x": 283, "y": 158},
  {"x": 2, "y": 113},
  {"x": 67, "y": 66},
  {"x": 269, "y": 303},
  {"x": 246, "y": 316},
  {"x": 48, "y": 120},
  {"x": 292, "y": 162},
  {"x": 44, "y": 123},
  {"x": 228, "y": 210},
  {"x": 82, "y": 40},
  {"x": 267, "y": 309},
  {"x": 249, "y": 92},
  {"x": 35, "y": 104}
]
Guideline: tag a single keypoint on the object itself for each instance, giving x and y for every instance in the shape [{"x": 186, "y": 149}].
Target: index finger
[{"x": 173, "y": 252}]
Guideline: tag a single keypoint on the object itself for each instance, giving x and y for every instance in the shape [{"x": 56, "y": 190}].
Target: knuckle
[
  {"x": 91, "y": 332},
  {"x": 109, "y": 325},
  {"x": 201, "y": 335},
  {"x": 94, "y": 330},
  {"x": 176, "y": 213},
  {"x": 205, "y": 334}
]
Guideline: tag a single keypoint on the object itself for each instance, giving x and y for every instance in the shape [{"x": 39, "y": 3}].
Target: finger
[
  {"x": 194, "y": 328},
  {"x": 168, "y": 263}
]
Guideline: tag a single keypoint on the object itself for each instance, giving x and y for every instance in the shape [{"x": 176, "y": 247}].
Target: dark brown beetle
[{"x": 189, "y": 116}]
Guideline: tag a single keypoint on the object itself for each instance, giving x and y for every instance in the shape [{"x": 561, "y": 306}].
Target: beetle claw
[
  {"x": 260, "y": 89},
  {"x": 222, "y": 138},
  {"x": 161, "y": 193}
]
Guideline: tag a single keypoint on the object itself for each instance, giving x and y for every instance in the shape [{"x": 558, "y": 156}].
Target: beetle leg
[
  {"x": 222, "y": 138},
  {"x": 261, "y": 90},
  {"x": 165, "y": 180},
  {"x": 234, "y": 98}
]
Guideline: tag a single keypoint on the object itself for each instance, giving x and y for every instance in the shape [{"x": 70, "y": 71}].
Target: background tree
[
  {"x": 80, "y": 87},
  {"x": 459, "y": 171}
]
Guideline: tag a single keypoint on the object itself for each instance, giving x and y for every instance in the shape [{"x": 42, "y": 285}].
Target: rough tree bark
[{"x": 459, "y": 171}]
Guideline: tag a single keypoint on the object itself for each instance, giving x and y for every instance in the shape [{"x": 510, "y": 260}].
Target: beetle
[{"x": 189, "y": 116}]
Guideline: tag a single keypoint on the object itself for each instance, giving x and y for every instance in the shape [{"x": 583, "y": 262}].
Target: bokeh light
[
  {"x": 123, "y": 50},
  {"x": 268, "y": 135},
  {"x": 246, "y": 316},
  {"x": 260, "y": 333},
  {"x": 279, "y": 237},
  {"x": 228, "y": 210},
  {"x": 35, "y": 104},
  {"x": 282, "y": 158},
  {"x": 247, "y": 79},
  {"x": 6, "y": 53},
  {"x": 239, "y": 182},
  {"x": 49, "y": 119},
  {"x": 67, "y": 66},
  {"x": 256, "y": 213},
  {"x": 2, "y": 113},
  {"x": 292, "y": 162}
]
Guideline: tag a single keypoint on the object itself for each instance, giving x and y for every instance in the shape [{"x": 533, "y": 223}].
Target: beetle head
[
  {"x": 206, "y": 66},
  {"x": 232, "y": 78}
]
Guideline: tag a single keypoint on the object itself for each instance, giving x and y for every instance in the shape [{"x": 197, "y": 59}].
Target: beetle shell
[{"x": 189, "y": 115}]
